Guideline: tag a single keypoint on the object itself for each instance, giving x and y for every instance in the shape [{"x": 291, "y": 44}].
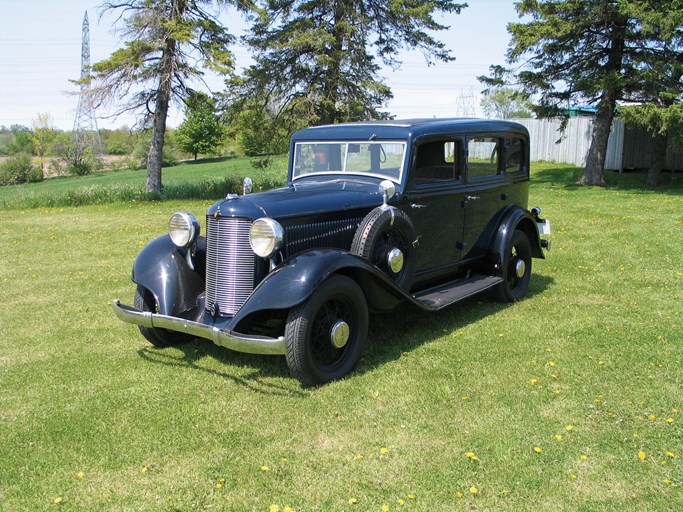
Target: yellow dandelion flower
[
  {"x": 264, "y": 469},
  {"x": 667, "y": 482},
  {"x": 652, "y": 417},
  {"x": 671, "y": 455},
  {"x": 222, "y": 480},
  {"x": 537, "y": 449},
  {"x": 459, "y": 495},
  {"x": 674, "y": 410},
  {"x": 411, "y": 496},
  {"x": 218, "y": 485},
  {"x": 504, "y": 492},
  {"x": 601, "y": 363},
  {"x": 569, "y": 428},
  {"x": 583, "y": 457},
  {"x": 383, "y": 450},
  {"x": 472, "y": 456},
  {"x": 359, "y": 456},
  {"x": 557, "y": 391},
  {"x": 400, "y": 502},
  {"x": 551, "y": 364},
  {"x": 353, "y": 501},
  {"x": 533, "y": 382},
  {"x": 144, "y": 469},
  {"x": 385, "y": 508},
  {"x": 573, "y": 477},
  {"x": 80, "y": 474},
  {"x": 642, "y": 455},
  {"x": 554, "y": 376},
  {"x": 274, "y": 508},
  {"x": 558, "y": 437},
  {"x": 58, "y": 500},
  {"x": 465, "y": 398},
  {"x": 474, "y": 490},
  {"x": 288, "y": 509},
  {"x": 669, "y": 420}
]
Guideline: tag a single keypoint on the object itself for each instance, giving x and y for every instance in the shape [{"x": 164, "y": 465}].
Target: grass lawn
[{"x": 571, "y": 399}]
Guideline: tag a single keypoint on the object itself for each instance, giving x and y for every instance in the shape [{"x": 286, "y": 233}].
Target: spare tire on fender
[{"x": 386, "y": 238}]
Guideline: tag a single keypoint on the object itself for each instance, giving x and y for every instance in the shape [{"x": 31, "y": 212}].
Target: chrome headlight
[
  {"x": 183, "y": 229},
  {"x": 265, "y": 237}
]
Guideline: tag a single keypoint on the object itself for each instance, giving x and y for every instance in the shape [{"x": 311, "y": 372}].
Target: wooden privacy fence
[
  {"x": 627, "y": 148},
  {"x": 549, "y": 144}
]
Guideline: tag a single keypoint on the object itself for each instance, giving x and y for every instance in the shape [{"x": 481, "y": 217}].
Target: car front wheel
[
  {"x": 326, "y": 334},
  {"x": 516, "y": 271},
  {"x": 145, "y": 301}
]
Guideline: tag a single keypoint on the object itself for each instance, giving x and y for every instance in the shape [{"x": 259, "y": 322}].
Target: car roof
[{"x": 400, "y": 129}]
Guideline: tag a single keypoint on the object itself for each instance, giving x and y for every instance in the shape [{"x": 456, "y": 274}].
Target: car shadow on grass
[
  {"x": 391, "y": 334},
  {"x": 406, "y": 328},
  {"x": 260, "y": 374}
]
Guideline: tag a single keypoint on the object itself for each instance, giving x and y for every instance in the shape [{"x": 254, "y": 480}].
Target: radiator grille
[
  {"x": 335, "y": 233},
  {"x": 229, "y": 264}
]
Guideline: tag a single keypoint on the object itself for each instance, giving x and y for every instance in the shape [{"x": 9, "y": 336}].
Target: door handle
[{"x": 472, "y": 198}]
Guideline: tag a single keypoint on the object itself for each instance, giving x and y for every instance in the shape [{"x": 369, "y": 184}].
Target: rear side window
[
  {"x": 483, "y": 157},
  {"x": 515, "y": 156},
  {"x": 438, "y": 162}
]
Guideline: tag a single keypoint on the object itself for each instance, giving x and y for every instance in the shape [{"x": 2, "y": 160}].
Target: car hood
[{"x": 305, "y": 197}]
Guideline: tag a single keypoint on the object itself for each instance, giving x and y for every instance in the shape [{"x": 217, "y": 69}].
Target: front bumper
[{"x": 221, "y": 337}]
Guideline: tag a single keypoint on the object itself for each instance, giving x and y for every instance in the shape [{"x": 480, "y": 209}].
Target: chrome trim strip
[{"x": 224, "y": 338}]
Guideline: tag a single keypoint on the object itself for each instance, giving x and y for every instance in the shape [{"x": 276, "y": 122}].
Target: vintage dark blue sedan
[{"x": 427, "y": 212}]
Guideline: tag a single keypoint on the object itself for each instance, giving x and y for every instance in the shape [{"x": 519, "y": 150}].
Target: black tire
[
  {"x": 311, "y": 356},
  {"x": 516, "y": 271},
  {"x": 382, "y": 230},
  {"x": 145, "y": 301}
]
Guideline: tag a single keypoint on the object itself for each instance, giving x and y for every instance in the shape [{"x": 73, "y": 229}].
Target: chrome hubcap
[
  {"x": 520, "y": 268},
  {"x": 339, "y": 334},
  {"x": 395, "y": 260}
]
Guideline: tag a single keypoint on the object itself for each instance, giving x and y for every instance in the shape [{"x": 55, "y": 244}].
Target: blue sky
[{"x": 40, "y": 51}]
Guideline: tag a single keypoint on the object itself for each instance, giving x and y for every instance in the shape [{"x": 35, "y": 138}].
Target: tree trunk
[
  {"x": 156, "y": 148},
  {"x": 163, "y": 97},
  {"x": 595, "y": 161},
  {"x": 659, "y": 143}
]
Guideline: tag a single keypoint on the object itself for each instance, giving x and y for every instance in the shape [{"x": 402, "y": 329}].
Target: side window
[
  {"x": 438, "y": 162},
  {"x": 515, "y": 156},
  {"x": 483, "y": 155}
]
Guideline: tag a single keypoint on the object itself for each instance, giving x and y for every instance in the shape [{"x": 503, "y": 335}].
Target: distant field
[
  {"x": 568, "y": 400},
  {"x": 187, "y": 180}
]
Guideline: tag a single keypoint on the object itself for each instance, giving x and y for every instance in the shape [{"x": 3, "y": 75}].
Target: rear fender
[
  {"x": 516, "y": 218},
  {"x": 298, "y": 277},
  {"x": 163, "y": 269}
]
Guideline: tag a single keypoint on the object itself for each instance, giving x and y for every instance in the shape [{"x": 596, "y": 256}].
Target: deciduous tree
[{"x": 202, "y": 131}]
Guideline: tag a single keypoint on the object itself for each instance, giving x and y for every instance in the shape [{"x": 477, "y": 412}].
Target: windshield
[{"x": 381, "y": 159}]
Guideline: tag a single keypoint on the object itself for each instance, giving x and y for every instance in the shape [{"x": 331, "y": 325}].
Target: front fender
[
  {"x": 162, "y": 268},
  {"x": 516, "y": 218},
  {"x": 296, "y": 279}
]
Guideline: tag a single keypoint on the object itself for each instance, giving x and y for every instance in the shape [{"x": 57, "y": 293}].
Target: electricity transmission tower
[
  {"x": 85, "y": 125},
  {"x": 464, "y": 104}
]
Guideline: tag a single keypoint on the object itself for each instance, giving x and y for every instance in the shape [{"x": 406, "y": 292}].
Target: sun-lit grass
[{"x": 568, "y": 400}]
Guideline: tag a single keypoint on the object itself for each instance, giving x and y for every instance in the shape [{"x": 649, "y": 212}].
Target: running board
[{"x": 449, "y": 293}]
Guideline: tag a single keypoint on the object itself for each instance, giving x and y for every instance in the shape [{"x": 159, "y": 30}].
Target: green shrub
[{"x": 19, "y": 169}]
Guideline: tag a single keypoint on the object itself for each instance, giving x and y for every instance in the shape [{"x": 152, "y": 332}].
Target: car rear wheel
[
  {"x": 516, "y": 268},
  {"x": 386, "y": 239},
  {"x": 145, "y": 301},
  {"x": 326, "y": 334}
]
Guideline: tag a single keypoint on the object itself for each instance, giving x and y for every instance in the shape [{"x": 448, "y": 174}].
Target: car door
[
  {"x": 485, "y": 192},
  {"x": 434, "y": 203}
]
